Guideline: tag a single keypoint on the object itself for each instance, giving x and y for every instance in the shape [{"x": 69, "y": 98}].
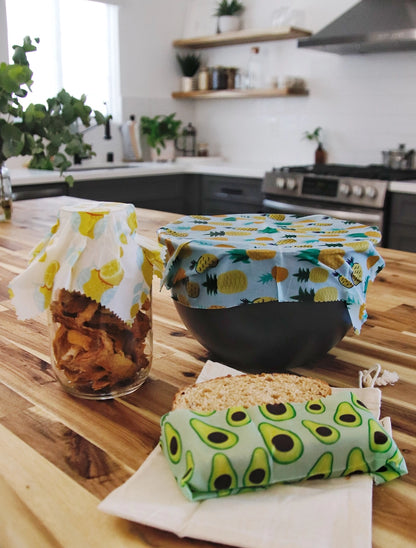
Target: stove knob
[
  {"x": 280, "y": 182},
  {"x": 357, "y": 191},
  {"x": 345, "y": 189},
  {"x": 291, "y": 184},
  {"x": 370, "y": 192}
]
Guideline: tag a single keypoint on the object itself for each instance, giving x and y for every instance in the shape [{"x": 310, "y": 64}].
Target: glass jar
[
  {"x": 5, "y": 195},
  {"x": 218, "y": 78},
  {"x": 94, "y": 354},
  {"x": 203, "y": 79}
]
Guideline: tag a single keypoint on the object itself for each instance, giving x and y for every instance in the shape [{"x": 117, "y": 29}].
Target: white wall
[{"x": 364, "y": 103}]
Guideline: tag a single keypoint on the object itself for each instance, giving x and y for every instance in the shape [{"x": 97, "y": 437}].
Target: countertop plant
[{"x": 48, "y": 133}]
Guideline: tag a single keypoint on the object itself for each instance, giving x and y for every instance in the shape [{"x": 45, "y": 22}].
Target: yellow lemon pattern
[
  {"x": 94, "y": 250},
  {"x": 233, "y": 260},
  {"x": 88, "y": 221}
]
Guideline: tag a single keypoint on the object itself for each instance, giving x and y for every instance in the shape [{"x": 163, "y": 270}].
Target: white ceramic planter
[
  {"x": 167, "y": 154},
  {"x": 228, "y": 23},
  {"x": 187, "y": 84}
]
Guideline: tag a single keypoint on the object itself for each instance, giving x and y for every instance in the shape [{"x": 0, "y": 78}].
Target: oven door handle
[{"x": 305, "y": 210}]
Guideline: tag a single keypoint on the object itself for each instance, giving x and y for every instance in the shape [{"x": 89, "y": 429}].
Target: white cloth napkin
[{"x": 324, "y": 513}]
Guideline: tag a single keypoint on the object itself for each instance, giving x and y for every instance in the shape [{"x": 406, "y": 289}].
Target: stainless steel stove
[{"x": 357, "y": 193}]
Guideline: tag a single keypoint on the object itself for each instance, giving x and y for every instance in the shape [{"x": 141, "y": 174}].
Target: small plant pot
[
  {"x": 166, "y": 154},
  {"x": 187, "y": 84},
  {"x": 228, "y": 23}
]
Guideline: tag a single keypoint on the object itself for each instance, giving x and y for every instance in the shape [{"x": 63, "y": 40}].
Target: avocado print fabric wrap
[
  {"x": 242, "y": 449},
  {"x": 92, "y": 249},
  {"x": 231, "y": 260}
]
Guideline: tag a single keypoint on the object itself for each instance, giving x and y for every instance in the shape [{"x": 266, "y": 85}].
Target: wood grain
[{"x": 61, "y": 455}]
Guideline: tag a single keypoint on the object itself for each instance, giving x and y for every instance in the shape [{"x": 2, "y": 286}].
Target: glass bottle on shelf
[{"x": 254, "y": 69}]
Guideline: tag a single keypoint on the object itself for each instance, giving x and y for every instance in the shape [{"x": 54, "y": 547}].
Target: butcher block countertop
[{"x": 60, "y": 455}]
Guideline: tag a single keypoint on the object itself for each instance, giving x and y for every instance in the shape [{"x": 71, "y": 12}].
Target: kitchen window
[{"x": 78, "y": 49}]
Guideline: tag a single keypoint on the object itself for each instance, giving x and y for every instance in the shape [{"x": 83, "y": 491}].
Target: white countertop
[
  {"x": 209, "y": 166},
  {"x": 214, "y": 166}
]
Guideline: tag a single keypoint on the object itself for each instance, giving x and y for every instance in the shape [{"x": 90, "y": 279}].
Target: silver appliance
[
  {"x": 370, "y": 26},
  {"x": 355, "y": 193}
]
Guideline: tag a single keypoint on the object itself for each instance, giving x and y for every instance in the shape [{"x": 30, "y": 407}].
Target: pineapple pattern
[{"x": 223, "y": 261}]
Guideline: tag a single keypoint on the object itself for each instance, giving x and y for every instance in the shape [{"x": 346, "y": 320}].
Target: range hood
[{"x": 371, "y": 26}]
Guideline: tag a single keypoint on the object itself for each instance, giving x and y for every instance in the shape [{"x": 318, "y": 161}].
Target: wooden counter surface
[{"x": 60, "y": 455}]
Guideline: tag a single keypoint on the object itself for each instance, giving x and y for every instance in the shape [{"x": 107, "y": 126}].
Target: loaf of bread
[{"x": 249, "y": 390}]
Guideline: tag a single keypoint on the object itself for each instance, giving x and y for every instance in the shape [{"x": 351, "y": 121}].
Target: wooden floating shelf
[
  {"x": 238, "y": 94},
  {"x": 242, "y": 37}
]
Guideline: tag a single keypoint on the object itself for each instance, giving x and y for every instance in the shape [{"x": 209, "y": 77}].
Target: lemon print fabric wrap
[
  {"x": 93, "y": 249},
  {"x": 223, "y": 261},
  {"x": 245, "y": 449}
]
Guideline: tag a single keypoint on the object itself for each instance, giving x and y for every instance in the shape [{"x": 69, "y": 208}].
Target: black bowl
[{"x": 270, "y": 336}]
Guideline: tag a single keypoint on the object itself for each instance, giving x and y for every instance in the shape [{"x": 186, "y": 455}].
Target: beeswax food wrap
[
  {"x": 231, "y": 260},
  {"x": 93, "y": 249},
  {"x": 243, "y": 449}
]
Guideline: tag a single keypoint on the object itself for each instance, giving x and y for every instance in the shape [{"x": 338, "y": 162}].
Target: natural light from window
[{"x": 78, "y": 49}]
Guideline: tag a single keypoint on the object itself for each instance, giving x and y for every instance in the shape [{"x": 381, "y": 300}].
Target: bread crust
[{"x": 248, "y": 390}]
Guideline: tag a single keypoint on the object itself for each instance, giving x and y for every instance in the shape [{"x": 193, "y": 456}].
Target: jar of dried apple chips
[{"x": 93, "y": 274}]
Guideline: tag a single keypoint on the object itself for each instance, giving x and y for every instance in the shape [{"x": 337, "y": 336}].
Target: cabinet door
[
  {"x": 231, "y": 195},
  {"x": 402, "y": 225},
  {"x": 164, "y": 192}
]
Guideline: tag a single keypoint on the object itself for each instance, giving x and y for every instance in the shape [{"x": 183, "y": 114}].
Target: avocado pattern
[
  {"x": 237, "y": 416},
  {"x": 227, "y": 261},
  {"x": 325, "y": 433},
  {"x": 215, "y": 437},
  {"x": 322, "y": 468},
  {"x": 258, "y": 471},
  {"x": 278, "y": 411},
  {"x": 173, "y": 443},
  {"x": 223, "y": 477},
  {"x": 244, "y": 449},
  {"x": 315, "y": 407},
  {"x": 356, "y": 462},
  {"x": 346, "y": 415}
]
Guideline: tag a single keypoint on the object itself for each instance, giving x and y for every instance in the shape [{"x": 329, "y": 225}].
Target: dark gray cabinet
[
  {"x": 402, "y": 224},
  {"x": 163, "y": 192},
  {"x": 222, "y": 195},
  {"x": 30, "y": 192}
]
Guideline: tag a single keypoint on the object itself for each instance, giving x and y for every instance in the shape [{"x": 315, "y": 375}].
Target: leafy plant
[
  {"x": 49, "y": 133},
  {"x": 159, "y": 129},
  {"x": 314, "y": 135},
  {"x": 229, "y": 7},
  {"x": 189, "y": 63}
]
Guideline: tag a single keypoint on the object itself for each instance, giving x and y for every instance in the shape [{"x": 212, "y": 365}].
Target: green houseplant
[
  {"x": 48, "y": 133},
  {"x": 228, "y": 13},
  {"x": 160, "y": 133},
  {"x": 189, "y": 63}
]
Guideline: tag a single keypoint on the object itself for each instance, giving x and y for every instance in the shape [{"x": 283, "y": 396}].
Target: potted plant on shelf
[
  {"x": 45, "y": 132},
  {"x": 160, "y": 133},
  {"x": 320, "y": 152},
  {"x": 189, "y": 63},
  {"x": 228, "y": 13}
]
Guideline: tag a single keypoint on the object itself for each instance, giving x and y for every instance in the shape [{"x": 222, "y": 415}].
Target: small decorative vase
[
  {"x": 187, "y": 84},
  {"x": 5, "y": 194},
  {"x": 228, "y": 23},
  {"x": 166, "y": 154},
  {"x": 320, "y": 155}
]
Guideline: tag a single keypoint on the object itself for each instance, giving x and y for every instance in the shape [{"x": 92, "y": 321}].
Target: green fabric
[
  {"x": 227, "y": 261},
  {"x": 238, "y": 449}
]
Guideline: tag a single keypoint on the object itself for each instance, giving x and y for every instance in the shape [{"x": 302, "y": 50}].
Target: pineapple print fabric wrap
[
  {"x": 92, "y": 249},
  {"x": 231, "y": 260},
  {"x": 243, "y": 449}
]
